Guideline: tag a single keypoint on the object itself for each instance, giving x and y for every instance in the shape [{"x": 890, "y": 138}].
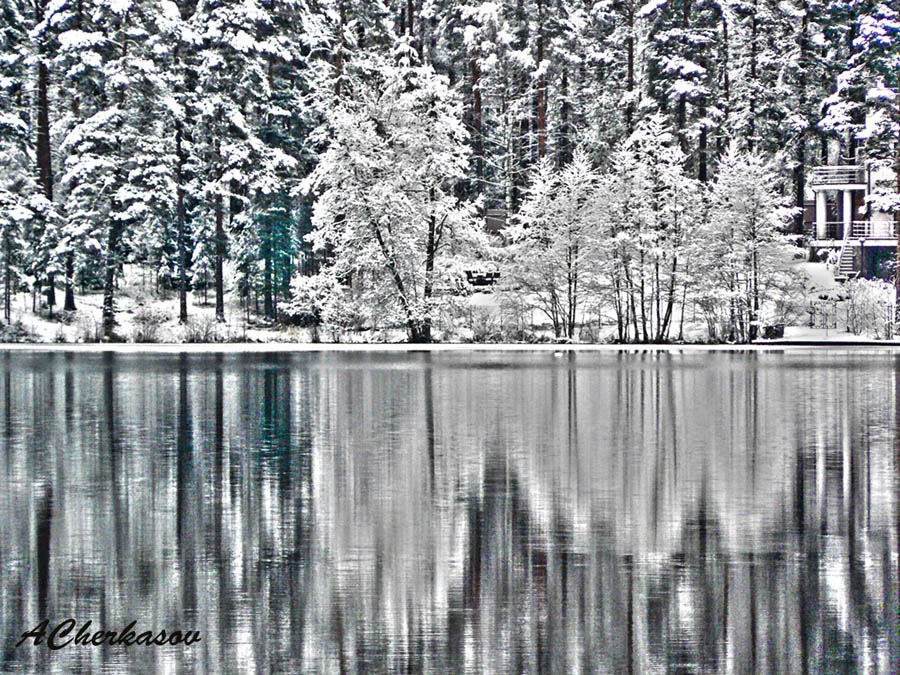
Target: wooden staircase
[{"x": 845, "y": 267}]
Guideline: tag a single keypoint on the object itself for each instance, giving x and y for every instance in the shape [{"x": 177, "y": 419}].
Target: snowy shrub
[
  {"x": 147, "y": 322},
  {"x": 89, "y": 329},
  {"x": 484, "y": 322},
  {"x": 16, "y": 332},
  {"x": 870, "y": 308},
  {"x": 202, "y": 329}
]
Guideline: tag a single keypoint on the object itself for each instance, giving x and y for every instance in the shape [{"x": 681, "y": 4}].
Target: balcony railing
[
  {"x": 859, "y": 229},
  {"x": 837, "y": 175},
  {"x": 876, "y": 230}
]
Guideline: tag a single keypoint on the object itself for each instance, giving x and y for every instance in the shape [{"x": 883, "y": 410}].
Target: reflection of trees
[{"x": 635, "y": 513}]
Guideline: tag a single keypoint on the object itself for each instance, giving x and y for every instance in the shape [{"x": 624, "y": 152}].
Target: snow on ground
[
  {"x": 821, "y": 283},
  {"x": 136, "y": 297}
]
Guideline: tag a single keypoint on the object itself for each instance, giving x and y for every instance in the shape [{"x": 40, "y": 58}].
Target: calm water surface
[{"x": 607, "y": 513}]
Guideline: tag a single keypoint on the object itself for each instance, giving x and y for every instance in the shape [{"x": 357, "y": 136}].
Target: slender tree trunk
[
  {"x": 69, "y": 300},
  {"x": 430, "y": 254},
  {"x": 267, "y": 275},
  {"x": 220, "y": 257},
  {"x": 897, "y": 223},
  {"x": 800, "y": 168},
  {"x": 702, "y": 147},
  {"x": 111, "y": 267},
  {"x": 182, "y": 245},
  {"x": 339, "y": 58},
  {"x": 751, "y": 129},
  {"x": 629, "y": 82},
  {"x": 541, "y": 94},
  {"x": 43, "y": 154},
  {"x": 7, "y": 273},
  {"x": 477, "y": 140},
  {"x": 565, "y": 142}
]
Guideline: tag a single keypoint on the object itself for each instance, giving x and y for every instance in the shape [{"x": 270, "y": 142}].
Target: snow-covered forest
[{"x": 630, "y": 170}]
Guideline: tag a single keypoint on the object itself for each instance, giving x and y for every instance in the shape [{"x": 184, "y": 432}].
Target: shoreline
[{"x": 401, "y": 347}]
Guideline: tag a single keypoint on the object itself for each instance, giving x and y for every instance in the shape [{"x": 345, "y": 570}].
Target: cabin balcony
[
  {"x": 839, "y": 177},
  {"x": 869, "y": 233}
]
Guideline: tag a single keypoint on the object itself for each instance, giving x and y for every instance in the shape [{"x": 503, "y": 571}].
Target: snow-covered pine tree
[
  {"x": 109, "y": 146},
  {"x": 682, "y": 51},
  {"x": 17, "y": 184}
]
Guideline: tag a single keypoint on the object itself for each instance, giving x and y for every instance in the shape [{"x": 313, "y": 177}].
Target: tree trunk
[
  {"x": 430, "y": 254},
  {"x": 7, "y": 281},
  {"x": 629, "y": 83},
  {"x": 267, "y": 275},
  {"x": 51, "y": 293},
  {"x": 182, "y": 245},
  {"x": 477, "y": 140},
  {"x": 800, "y": 169},
  {"x": 111, "y": 266},
  {"x": 44, "y": 158},
  {"x": 541, "y": 94},
  {"x": 339, "y": 58},
  {"x": 220, "y": 257},
  {"x": 702, "y": 147},
  {"x": 565, "y": 142},
  {"x": 753, "y": 79},
  {"x": 69, "y": 305}
]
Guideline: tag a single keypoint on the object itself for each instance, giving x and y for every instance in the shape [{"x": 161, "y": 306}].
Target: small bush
[
  {"x": 202, "y": 330},
  {"x": 147, "y": 323},
  {"x": 89, "y": 329},
  {"x": 16, "y": 332},
  {"x": 870, "y": 308}
]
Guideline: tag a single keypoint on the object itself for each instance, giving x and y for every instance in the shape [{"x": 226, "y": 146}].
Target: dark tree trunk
[
  {"x": 69, "y": 305},
  {"x": 477, "y": 141},
  {"x": 268, "y": 306},
  {"x": 44, "y": 158},
  {"x": 629, "y": 83},
  {"x": 751, "y": 129},
  {"x": 182, "y": 245},
  {"x": 702, "y": 148},
  {"x": 111, "y": 267},
  {"x": 800, "y": 169},
  {"x": 220, "y": 257},
  {"x": 7, "y": 280},
  {"x": 565, "y": 142},
  {"x": 339, "y": 58},
  {"x": 430, "y": 254},
  {"x": 541, "y": 94}
]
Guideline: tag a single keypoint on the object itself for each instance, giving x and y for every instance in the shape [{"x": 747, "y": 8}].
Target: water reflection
[{"x": 650, "y": 512}]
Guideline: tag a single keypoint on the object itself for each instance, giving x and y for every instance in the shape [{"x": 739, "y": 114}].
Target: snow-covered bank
[{"x": 832, "y": 346}]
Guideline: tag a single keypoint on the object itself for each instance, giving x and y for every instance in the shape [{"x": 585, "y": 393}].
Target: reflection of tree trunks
[
  {"x": 894, "y": 630},
  {"x": 429, "y": 421},
  {"x": 185, "y": 459},
  {"x": 112, "y": 437},
  {"x": 44, "y": 518},
  {"x": 629, "y": 571}
]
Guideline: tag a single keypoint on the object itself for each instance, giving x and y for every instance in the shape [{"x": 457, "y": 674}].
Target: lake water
[{"x": 325, "y": 512}]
